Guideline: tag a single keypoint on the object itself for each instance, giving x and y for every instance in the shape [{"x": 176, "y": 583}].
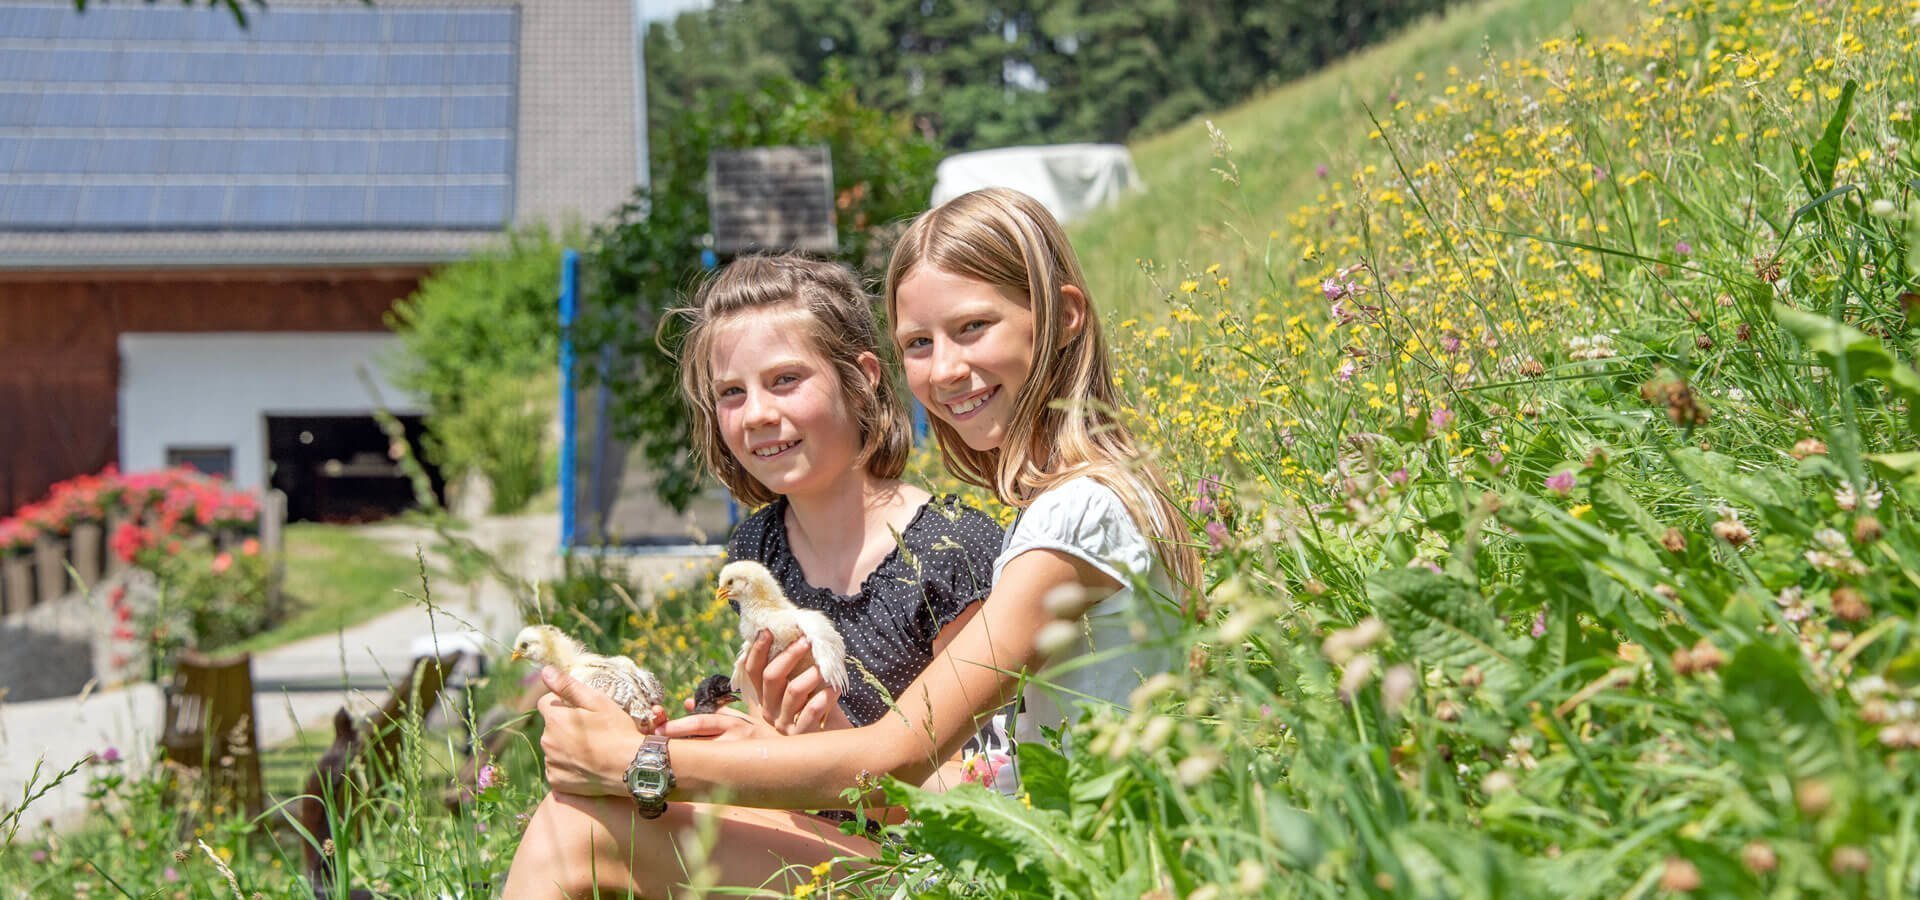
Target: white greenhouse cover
[{"x": 1069, "y": 179}]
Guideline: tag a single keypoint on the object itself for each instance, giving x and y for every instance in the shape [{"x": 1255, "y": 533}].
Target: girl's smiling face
[
  {"x": 967, "y": 347},
  {"x": 780, "y": 407}
]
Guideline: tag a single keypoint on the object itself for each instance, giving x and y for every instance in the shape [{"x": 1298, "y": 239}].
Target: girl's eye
[
  {"x": 974, "y": 325},
  {"x": 916, "y": 343},
  {"x": 726, "y": 392},
  {"x": 788, "y": 378}
]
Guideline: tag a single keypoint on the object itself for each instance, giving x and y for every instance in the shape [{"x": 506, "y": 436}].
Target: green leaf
[
  {"x": 1825, "y": 155},
  {"x": 1446, "y": 622},
  {"x": 986, "y": 838},
  {"x": 1865, "y": 355},
  {"x": 1043, "y": 774}
]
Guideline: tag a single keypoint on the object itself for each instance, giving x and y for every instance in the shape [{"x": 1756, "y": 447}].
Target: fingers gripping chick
[
  {"x": 765, "y": 607},
  {"x": 635, "y": 689}
]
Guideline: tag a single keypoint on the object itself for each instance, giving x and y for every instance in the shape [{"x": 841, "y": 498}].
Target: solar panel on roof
[{"x": 170, "y": 117}]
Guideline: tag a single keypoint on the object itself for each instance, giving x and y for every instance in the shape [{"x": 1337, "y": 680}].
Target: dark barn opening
[{"x": 340, "y": 469}]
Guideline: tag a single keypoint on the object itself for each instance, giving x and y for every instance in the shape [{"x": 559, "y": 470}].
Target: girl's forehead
[{"x": 757, "y": 339}]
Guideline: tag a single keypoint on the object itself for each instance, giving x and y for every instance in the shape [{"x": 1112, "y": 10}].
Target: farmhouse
[{"x": 203, "y": 225}]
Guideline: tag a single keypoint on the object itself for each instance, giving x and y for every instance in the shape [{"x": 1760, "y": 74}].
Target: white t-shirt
[{"x": 1085, "y": 519}]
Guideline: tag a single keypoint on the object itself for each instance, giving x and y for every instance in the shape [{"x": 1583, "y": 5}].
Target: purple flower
[
  {"x": 1333, "y": 288},
  {"x": 1441, "y": 418},
  {"x": 39, "y": 856},
  {"x": 170, "y": 874},
  {"x": 1216, "y": 535},
  {"x": 1204, "y": 503},
  {"x": 486, "y": 777},
  {"x": 1683, "y": 248},
  {"x": 1345, "y": 372},
  {"x": 1540, "y": 624},
  {"x": 109, "y": 755},
  {"x": 1599, "y": 174},
  {"x": 1450, "y": 343},
  {"x": 1561, "y": 482},
  {"x": 1399, "y": 476},
  {"x": 1320, "y": 171}
]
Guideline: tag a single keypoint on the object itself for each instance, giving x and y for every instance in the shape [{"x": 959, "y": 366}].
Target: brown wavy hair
[
  {"x": 834, "y": 314},
  {"x": 1064, "y": 422}
]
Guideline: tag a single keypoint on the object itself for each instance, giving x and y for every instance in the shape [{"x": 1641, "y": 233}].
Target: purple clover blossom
[
  {"x": 1683, "y": 248},
  {"x": 109, "y": 755},
  {"x": 487, "y": 778},
  {"x": 1561, "y": 482},
  {"x": 39, "y": 856},
  {"x": 1399, "y": 476},
  {"x": 1539, "y": 629},
  {"x": 1217, "y": 535},
  {"x": 1440, "y": 419},
  {"x": 170, "y": 874},
  {"x": 1320, "y": 171},
  {"x": 1450, "y": 343}
]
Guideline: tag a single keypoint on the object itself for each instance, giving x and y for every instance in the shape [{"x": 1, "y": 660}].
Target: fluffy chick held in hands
[
  {"x": 765, "y": 607},
  {"x": 635, "y": 689}
]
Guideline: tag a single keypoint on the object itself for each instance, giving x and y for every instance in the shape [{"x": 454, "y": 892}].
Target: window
[{"x": 205, "y": 460}]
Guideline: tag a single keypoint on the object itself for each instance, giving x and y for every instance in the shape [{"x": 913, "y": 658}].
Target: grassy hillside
[{"x": 1281, "y": 139}]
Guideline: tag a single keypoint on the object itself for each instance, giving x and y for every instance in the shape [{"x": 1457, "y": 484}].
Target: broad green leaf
[
  {"x": 1043, "y": 775},
  {"x": 1445, "y": 622},
  {"x": 1825, "y": 155},
  {"x": 1865, "y": 355}
]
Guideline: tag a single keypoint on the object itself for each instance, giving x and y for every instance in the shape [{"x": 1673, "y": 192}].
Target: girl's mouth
[
  {"x": 967, "y": 407},
  {"x": 773, "y": 450}
]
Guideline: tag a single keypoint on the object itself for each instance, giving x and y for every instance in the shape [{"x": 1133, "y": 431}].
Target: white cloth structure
[{"x": 1070, "y": 180}]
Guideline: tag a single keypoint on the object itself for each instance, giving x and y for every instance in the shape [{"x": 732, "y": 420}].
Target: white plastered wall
[{"x": 215, "y": 390}]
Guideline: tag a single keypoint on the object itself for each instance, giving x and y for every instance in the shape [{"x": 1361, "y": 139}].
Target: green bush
[{"x": 482, "y": 349}]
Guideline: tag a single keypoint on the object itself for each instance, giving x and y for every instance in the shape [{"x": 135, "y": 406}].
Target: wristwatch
[{"x": 650, "y": 777}]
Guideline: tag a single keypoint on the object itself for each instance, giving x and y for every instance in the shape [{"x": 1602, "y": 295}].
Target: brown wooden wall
[{"x": 59, "y": 347}]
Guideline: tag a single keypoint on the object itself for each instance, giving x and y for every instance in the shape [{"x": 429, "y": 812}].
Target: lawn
[{"x": 335, "y": 578}]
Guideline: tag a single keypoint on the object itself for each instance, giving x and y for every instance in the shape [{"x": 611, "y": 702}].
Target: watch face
[{"x": 651, "y": 781}]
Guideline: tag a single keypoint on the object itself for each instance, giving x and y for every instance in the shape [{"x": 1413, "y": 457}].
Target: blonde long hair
[
  {"x": 1064, "y": 424},
  {"x": 826, "y": 304}
]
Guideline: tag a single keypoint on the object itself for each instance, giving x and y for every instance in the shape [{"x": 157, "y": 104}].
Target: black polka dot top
[{"x": 942, "y": 564}]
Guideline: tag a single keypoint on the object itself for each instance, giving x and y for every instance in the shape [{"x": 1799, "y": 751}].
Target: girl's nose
[
  {"x": 760, "y": 410},
  {"x": 948, "y": 365}
]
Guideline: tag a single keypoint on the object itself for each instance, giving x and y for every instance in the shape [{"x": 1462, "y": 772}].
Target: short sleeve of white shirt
[{"x": 1085, "y": 519}]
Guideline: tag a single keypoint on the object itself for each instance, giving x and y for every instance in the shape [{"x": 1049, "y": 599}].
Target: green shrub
[{"x": 481, "y": 338}]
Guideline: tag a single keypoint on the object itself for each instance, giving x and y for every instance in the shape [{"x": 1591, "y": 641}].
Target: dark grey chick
[{"x": 714, "y": 692}]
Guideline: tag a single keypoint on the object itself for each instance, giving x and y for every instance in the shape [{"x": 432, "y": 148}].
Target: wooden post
[
  {"x": 50, "y": 563},
  {"x": 17, "y": 569},
  {"x": 88, "y": 546}
]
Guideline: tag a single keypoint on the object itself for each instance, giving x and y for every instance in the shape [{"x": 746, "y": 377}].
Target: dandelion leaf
[
  {"x": 1001, "y": 846},
  {"x": 1825, "y": 155},
  {"x": 1446, "y": 622},
  {"x": 1044, "y": 776}
]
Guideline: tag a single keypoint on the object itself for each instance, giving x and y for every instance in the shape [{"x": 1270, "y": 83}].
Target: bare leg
[{"x": 575, "y": 846}]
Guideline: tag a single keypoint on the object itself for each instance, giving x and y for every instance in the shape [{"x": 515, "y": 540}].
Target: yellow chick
[
  {"x": 635, "y": 689},
  {"x": 765, "y": 607}
]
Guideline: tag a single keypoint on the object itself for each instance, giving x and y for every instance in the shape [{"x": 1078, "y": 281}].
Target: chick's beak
[
  {"x": 517, "y": 655},
  {"x": 725, "y": 593}
]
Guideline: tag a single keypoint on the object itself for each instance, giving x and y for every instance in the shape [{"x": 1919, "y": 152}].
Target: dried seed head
[
  {"x": 1759, "y": 857},
  {"x": 1679, "y": 876},
  {"x": 1472, "y": 678},
  {"x": 1733, "y": 532},
  {"x": 1683, "y": 661},
  {"x": 1850, "y": 860},
  {"x": 1703, "y": 342},
  {"x": 1447, "y": 711},
  {"x": 1867, "y": 530},
  {"x": 1766, "y": 268},
  {"x": 1743, "y": 332},
  {"x": 1849, "y": 605},
  {"x": 1532, "y": 369},
  {"x": 1806, "y": 447},
  {"x": 1707, "y": 657},
  {"x": 1813, "y": 797},
  {"x": 1674, "y": 541}
]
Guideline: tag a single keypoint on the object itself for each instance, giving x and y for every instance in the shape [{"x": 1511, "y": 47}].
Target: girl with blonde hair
[{"x": 1001, "y": 343}]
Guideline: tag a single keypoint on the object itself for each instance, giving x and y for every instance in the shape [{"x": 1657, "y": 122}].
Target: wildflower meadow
[{"x": 1548, "y": 442}]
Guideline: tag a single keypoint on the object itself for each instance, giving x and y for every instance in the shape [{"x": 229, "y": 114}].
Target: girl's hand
[
  {"x": 589, "y": 740},
  {"x": 720, "y": 726},
  {"x": 793, "y": 696}
]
